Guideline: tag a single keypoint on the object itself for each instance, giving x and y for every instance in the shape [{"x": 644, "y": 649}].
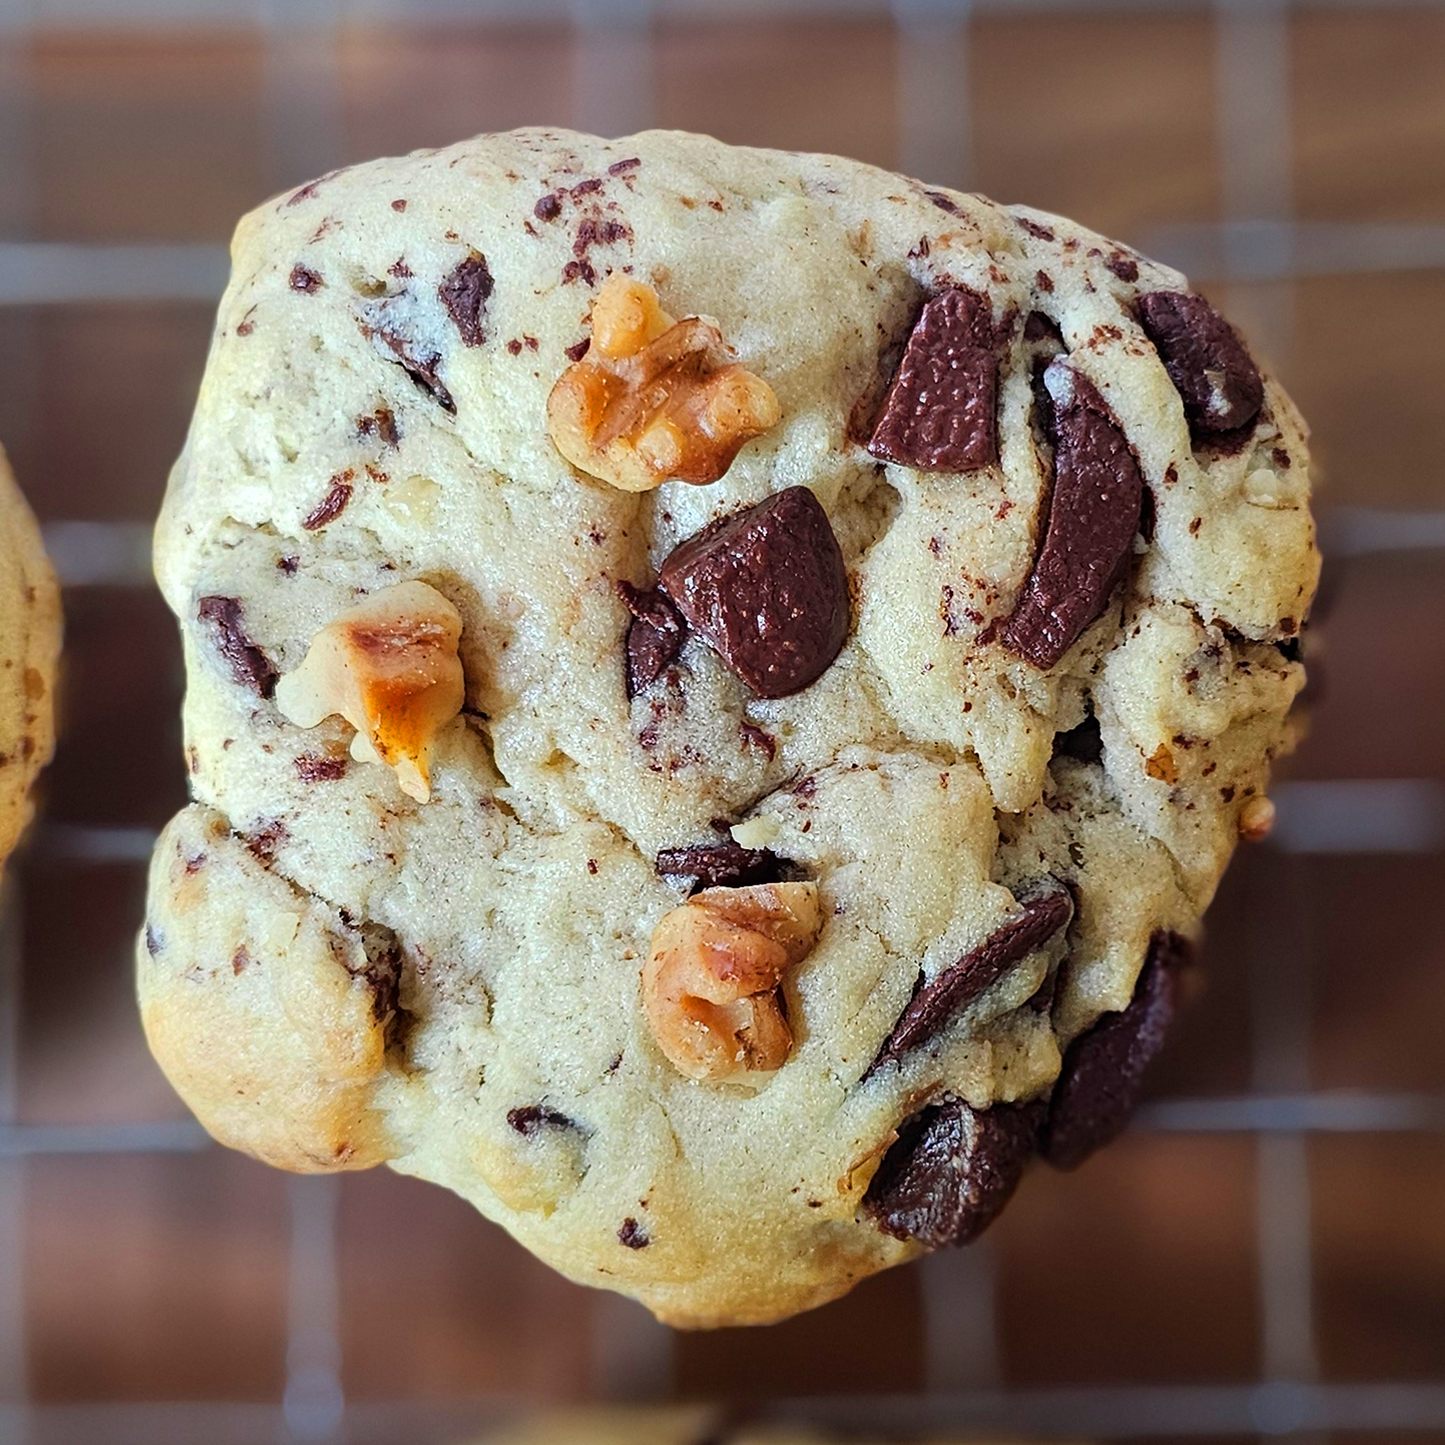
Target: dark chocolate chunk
[
  {"x": 305, "y": 280},
  {"x": 1103, "y": 1070},
  {"x": 464, "y": 293},
  {"x": 951, "y": 1171},
  {"x": 1093, "y": 517},
  {"x": 721, "y": 865},
  {"x": 419, "y": 364},
  {"x": 155, "y": 941},
  {"x": 548, "y": 207},
  {"x": 617, "y": 167},
  {"x": 531, "y": 1117},
  {"x": 1215, "y": 376},
  {"x": 633, "y": 1235},
  {"x": 766, "y": 588},
  {"x": 654, "y": 638},
  {"x": 1043, "y": 909},
  {"x": 1034, "y": 228},
  {"x": 939, "y": 413},
  {"x": 332, "y": 505},
  {"x": 226, "y": 620}
]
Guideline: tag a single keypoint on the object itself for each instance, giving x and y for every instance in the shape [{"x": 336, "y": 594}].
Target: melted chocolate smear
[
  {"x": 1043, "y": 909},
  {"x": 654, "y": 637},
  {"x": 1103, "y": 1071},
  {"x": 939, "y": 413},
  {"x": 1215, "y": 376},
  {"x": 766, "y": 588},
  {"x": 465, "y": 293},
  {"x": 721, "y": 865},
  {"x": 1093, "y": 515},
  {"x": 226, "y": 620},
  {"x": 951, "y": 1171}
]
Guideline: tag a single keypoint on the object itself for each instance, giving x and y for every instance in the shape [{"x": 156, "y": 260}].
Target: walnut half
[
  {"x": 654, "y": 399},
  {"x": 389, "y": 666},
  {"x": 710, "y": 984}
]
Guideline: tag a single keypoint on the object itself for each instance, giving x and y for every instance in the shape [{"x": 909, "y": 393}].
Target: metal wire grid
[{"x": 1258, "y": 240}]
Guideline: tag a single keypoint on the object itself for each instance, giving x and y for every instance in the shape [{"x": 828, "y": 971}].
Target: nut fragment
[
  {"x": 710, "y": 984},
  {"x": 1256, "y": 820},
  {"x": 654, "y": 398},
  {"x": 389, "y": 666}
]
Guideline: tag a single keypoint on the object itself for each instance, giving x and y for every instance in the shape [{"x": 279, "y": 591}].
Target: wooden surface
[{"x": 141, "y": 1276}]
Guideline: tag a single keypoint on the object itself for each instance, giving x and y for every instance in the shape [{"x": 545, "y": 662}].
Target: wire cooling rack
[{"x": 1265, "y": 1253}]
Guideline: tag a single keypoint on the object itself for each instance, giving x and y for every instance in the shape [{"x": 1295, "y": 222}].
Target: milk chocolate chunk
[
  {"x": 1214, "y": 375},
  {"x": 951, "y": 1171},
  {"x": 721, "y": 865},
  {"x": 654, "y": 637},
  {"x": 939, "y": 413},
  {"x": 1093, "y": 516},
  {"x": 225, "y": 618},
  {"x": 1103, "y": 1071},
  {"x": 1042, "y": 910},
  {"x": 766, "y": 588}
]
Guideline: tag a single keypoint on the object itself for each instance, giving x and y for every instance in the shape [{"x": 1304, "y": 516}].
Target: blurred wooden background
[{"x": 1266, "y": 1251}]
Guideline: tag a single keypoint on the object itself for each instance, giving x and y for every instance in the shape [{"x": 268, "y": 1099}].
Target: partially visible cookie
[
  {"x": 29, "y": 651},
  {"x": 720, "y": 685},
  {"x": 692, "y": 1425}
]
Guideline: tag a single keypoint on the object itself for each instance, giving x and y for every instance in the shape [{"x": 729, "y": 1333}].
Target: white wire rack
[{"x": 1258, "y": 239}]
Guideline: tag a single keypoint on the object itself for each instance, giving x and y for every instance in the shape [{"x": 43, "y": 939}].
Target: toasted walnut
[
  {"x": 710, "y": 984},
  {"x": 389, "y": 666},
  {"x": 654, "y": 399}
]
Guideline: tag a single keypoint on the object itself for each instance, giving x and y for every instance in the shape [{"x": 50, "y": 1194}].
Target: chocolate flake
[
  {"x": 226, "y": 620},
  {"x": 464, "y": 293},
  {"x": 720, "y": 865},
  {"x": 319, "y": 768},
  {"x": 1093, "y": 517},
  {"x": 633, "y": 1235},
  {"x": 1124, "y": 266},
  {"x": 1215, "y": 376},
  {"x": 532, "y": 1117},
  {"x": 951, "y": 1171},
  {"x": 766, "y": 588},
  {"x": 332, "y": 505},
  {"x": 1103, "y": 1071},
  {"x": 1042, "y": 910},
  {"x": 939, "y": 413},
  {"x": 654, "y": 637}
]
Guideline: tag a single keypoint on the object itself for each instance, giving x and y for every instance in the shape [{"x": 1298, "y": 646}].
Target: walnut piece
[
  {"x": 710, "y": 984},
  {"x": 389, "y": 666},
  {"x": 654, "y": 399}
]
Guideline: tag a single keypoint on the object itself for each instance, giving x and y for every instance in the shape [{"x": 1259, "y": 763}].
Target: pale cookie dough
[
  {"x": 931, "y": 752},
  {"x": 29, "y": 653}
]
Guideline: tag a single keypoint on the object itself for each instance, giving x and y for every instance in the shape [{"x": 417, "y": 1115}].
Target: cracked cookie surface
[
  {"x": 29, "y": 653},
  {"x": 866, "y": 780}
]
